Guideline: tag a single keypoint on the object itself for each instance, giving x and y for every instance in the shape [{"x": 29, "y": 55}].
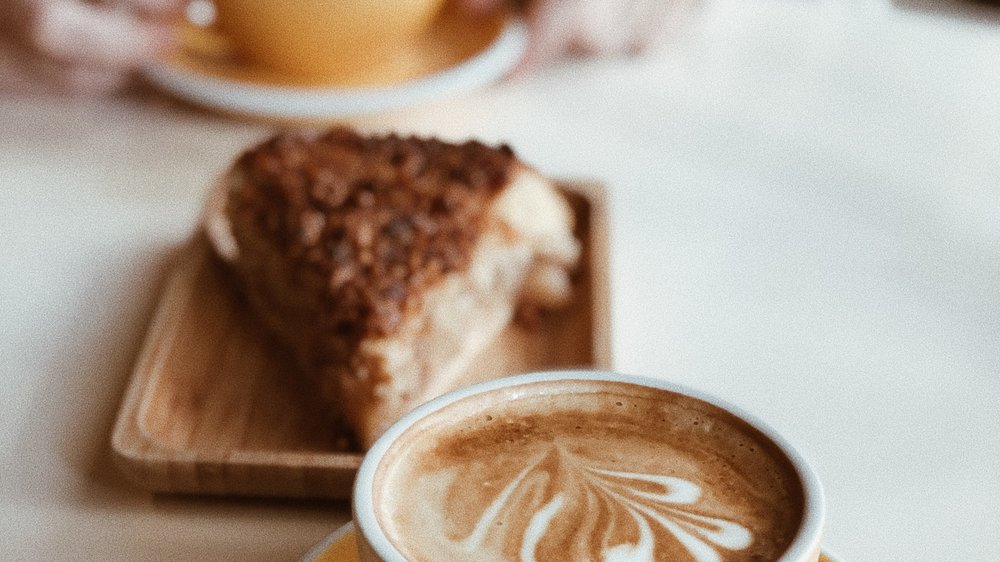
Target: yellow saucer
[
  {"x": 458, "y": 54},
  {"x": 340, "y": 546}
]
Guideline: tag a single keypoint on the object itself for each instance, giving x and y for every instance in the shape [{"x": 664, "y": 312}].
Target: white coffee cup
[{"x": 413, "y": 459}]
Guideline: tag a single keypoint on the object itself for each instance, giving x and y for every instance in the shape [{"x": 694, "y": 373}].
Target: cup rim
[{"x": 807, "y": 538}]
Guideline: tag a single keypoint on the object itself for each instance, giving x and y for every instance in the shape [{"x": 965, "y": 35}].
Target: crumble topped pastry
[{"x": 385, "y": 263}]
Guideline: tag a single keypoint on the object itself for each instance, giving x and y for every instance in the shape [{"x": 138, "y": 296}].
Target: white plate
[{"x": 288, "y": 102}]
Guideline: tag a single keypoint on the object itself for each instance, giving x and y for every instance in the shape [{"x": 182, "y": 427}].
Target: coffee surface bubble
[{"x": 586, "y": 470}]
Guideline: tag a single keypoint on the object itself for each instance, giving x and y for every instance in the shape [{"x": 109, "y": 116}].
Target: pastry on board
[{"x": 384, "y": 264}]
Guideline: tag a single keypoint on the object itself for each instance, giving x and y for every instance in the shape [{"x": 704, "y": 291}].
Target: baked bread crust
[{"x": 384, "y": 264}]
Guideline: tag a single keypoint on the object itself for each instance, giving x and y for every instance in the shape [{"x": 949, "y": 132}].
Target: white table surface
[{"x": 806, "y": 221}]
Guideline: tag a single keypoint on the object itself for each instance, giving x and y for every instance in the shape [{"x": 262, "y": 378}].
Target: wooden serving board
[{"x": 209, "y": 409}]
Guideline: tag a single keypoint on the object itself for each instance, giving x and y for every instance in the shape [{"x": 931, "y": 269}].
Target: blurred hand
[
  {"x": 600, "y": 28},
  {"x": 81, "y": 46}
]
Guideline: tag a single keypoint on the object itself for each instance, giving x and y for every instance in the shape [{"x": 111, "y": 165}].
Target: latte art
[
  {"x": 614, "y": 472},
  {"x": 649, "y": 503}
]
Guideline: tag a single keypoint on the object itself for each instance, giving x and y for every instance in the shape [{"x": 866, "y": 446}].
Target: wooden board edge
[
  {"x": 599, "y": 245},
  {"x": 138, "y": 456}
]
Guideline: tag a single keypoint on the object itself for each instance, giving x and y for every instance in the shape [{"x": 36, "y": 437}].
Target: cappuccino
[{"x": 578, "y": 469}]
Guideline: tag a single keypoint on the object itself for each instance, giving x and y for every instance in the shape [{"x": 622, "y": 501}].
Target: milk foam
[
  {"x": 599, "y": 477},
  {"x": 703, "y": 537}
]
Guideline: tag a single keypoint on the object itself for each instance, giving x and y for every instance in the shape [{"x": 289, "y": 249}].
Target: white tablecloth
[{"x": 806, "y": 221}]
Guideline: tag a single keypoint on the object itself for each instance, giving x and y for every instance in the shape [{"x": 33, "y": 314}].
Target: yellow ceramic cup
[{"x": 323, "y": 40}]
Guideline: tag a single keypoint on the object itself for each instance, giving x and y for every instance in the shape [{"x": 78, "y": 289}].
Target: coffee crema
[{"x": 586, "y": 470}]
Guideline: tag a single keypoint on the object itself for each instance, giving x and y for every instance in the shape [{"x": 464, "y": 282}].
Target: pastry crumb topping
[{"x": 365, "y": 222}]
